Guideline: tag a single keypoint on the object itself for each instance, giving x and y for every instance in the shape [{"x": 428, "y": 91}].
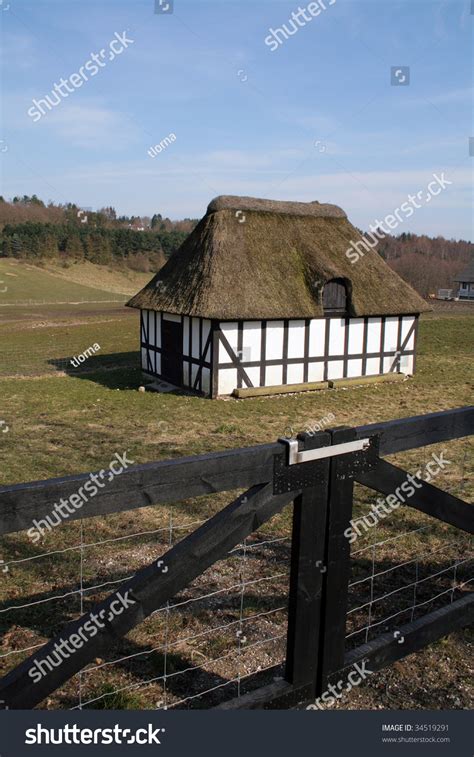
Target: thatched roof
[
  {"x": 250, "y": 258},
  {"x": 315, "y": 209}
]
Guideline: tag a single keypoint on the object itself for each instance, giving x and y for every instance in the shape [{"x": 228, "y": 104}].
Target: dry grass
[
  {"x": 63, "y": 424},
  {"x": 111, "y": 278}
]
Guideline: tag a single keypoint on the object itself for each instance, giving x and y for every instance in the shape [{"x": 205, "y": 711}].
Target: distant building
[
  {"x": 262, "y": 294},
  {"x": 444, "y": 294},
  {"x": 465, "y": 281}
]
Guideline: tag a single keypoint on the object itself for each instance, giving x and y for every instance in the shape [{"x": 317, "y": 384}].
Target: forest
[{"x": 35, "y": 231}]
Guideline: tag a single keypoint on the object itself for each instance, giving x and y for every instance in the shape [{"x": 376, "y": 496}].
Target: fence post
[
  {"x": 306, "y": 575},
  {"x": 338, "y": 563}
]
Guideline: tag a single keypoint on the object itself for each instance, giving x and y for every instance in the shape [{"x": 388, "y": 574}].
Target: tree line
[
  {"x": 32, "y": 231},
  {"x": 426, "y": 263},
  {"x": 36, "y": 231}
]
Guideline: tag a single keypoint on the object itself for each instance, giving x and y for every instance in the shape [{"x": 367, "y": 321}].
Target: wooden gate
[{"x": 317, "y": 473}]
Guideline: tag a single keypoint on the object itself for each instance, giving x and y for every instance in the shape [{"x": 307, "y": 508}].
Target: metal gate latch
[
  {"x": 291, "y": 471},
  {"x": 295, "y": 456}
]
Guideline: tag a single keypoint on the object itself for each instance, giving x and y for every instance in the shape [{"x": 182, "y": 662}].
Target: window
[{"x": 335, "y": 297}]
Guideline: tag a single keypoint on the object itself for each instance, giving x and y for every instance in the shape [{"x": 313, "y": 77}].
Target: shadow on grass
[
  {"x": 164, "y": 661},
  {"x": 139, "y": 663},
  {"x": 119, "y": 370}
]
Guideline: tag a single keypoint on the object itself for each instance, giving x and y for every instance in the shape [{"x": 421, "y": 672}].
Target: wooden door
[
  {"x": 335, "y": 297},
  {"x": 172, "y": 351}
]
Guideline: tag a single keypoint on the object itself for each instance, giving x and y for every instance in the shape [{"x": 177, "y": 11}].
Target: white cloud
[
  {"x": 17, "y": 49},
  {"x": 219, "y": 161},
  {"x": 178, "y": 185},
  {"x": 318, "y": 124},
  {"x": 77, "y": 121},
  {"x": 462, "y": 95},
  {"x": 455, "y": 95},
  {"x": 88, "y": 125}
]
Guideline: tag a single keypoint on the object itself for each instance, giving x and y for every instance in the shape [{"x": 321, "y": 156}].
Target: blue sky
[{"x": 315, "y": 119}]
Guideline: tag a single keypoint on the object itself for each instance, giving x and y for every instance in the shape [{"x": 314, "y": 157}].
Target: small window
[{"x": 335, "y": 297}]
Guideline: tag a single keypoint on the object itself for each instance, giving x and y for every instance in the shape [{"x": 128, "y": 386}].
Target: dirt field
[{"x": 445, "y": 307}]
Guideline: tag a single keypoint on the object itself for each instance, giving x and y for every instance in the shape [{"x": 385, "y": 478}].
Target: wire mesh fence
[
  {"x": 207, "y": 643},
  {"x": 201, "y": 647},
  {"x": 406, "y": 564}
]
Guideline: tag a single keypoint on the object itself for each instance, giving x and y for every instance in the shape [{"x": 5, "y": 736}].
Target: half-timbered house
[{"x": 265, "y": 294}]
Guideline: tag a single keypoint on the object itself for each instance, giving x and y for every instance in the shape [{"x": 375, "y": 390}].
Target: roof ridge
[{"x": 314, "y": 209}]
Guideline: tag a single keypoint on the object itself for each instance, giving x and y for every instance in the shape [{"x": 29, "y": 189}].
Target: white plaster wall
[
  {"x": 317, "y": 337},
  {"x": 251, "y": 341},
  {"x": 296, "y": 339},
  {"x": 356, "y": 336},
  {"x": 374, "y": 329},
  {"x": 391, "y": 335},
  {"x": 337, "y": 331},
  {"x": 252, "y": 349},
  {"x": 274, "y": 347}
]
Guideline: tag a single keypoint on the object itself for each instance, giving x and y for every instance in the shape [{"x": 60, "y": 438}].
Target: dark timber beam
[
  {"x": 377, "y": 654},
  {"x": 278, "y": 695},
  {"x": 337, "y": 565},
  {"x": 140, "y": 485},
  {"x": 308, "y": 559},
  {"x": 171, "y": 480},
  {"x": 386, "y": 649},
  {"x": 387, "y": 478},
  {"x": 420, "y": 430}
]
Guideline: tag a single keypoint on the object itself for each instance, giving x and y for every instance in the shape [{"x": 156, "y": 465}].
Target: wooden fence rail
[{"x": 322, "y": 493}]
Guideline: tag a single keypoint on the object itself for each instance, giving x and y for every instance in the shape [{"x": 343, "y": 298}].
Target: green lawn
[
  {"x": 93, "y": 414},
  {"x": 61, "y": 424}
]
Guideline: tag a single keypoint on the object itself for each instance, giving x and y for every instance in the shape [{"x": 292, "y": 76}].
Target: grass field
[
  {"x": 60, "y": 424},
  {"x": 82, "y": 282}
]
